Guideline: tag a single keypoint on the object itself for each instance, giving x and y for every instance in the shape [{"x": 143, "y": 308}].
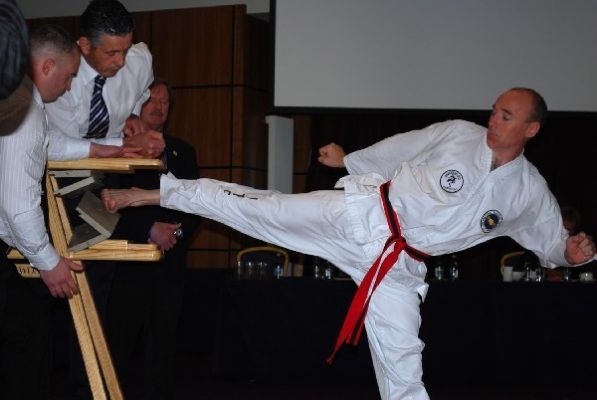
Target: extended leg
[{"x": 314, "y": 223}]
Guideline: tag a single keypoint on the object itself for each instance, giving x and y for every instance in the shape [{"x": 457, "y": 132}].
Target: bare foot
[{"x": 115, "y": 199}]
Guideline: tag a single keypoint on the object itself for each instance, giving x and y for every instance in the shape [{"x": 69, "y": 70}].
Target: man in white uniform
[
  {"x": 448, "y": 187},
  {"x": 25, "y": 317}
]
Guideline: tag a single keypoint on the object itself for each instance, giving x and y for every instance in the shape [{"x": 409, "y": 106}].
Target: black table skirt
[
  {"x": 510, "y": 333},
  {"x": 284, "y": 330},
  {"x": 476, "y": 333}
]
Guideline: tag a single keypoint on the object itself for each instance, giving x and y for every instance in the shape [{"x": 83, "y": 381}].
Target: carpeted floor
[{"x": 196, "y": 382}]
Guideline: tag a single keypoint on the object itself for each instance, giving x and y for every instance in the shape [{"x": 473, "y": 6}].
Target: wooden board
[
  {"x": 91, "y": 182},
  {"x": 116, "y": 250},
  {"x": 91, "y": 210},
  {"x": 108, "y": 164},
  {"x": 84, "y": 236}
]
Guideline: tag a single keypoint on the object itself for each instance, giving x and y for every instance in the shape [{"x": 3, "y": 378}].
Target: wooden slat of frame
[
  {"x": 116, "y": 250},
  {"x": 108, "y": 164},
  {"x": 84, "y": 336},
  {"x": 59, "y": 238},
  {"x": 87, "y": 324}
]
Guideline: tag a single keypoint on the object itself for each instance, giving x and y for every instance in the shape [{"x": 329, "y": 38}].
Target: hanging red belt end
[{"x": 354, "y": 322}]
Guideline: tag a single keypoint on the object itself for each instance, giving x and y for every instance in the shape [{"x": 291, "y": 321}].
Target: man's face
[
  {"x": 509, "y": 126},
  {"x": 155, "y": 111},
  {"x": 60, "y": 76},
  {"x": 109, "y": 55}
]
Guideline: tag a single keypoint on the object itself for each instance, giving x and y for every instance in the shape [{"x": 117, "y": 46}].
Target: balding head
[{"x": 539, "y": 107}]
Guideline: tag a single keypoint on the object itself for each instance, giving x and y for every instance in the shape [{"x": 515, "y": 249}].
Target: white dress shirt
[
  {"x": 124, "y": 94},
  {"x": 22, "y": 163}
]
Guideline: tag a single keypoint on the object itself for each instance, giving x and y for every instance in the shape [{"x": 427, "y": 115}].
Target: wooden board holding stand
[{"x": 96, "y": 356}]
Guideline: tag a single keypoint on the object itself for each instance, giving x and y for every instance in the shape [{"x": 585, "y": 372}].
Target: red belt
[{"x": 352, "y": 327}]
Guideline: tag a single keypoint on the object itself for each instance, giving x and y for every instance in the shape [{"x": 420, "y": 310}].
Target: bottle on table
[
  {"x": 328, "y": 271},
  {"x": 454, "y": 269},
  {"x": 539, "y": 274},
  {"x": 278, "y": 271},
  {"x": 438, "y": 271},
  {"x": 317, "y": 269},
  {"x": 239, "y": 270},
  {"x": 262, "y": 270},
  {"x": 529, "y": 272},
  {"x": 249, "y": 270}
]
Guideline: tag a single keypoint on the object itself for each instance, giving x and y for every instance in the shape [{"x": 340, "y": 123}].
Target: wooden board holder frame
[{"x": 94, "y": 348}]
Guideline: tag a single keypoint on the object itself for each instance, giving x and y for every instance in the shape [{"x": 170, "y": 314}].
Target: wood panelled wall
[{"x": 216, "y": 59}]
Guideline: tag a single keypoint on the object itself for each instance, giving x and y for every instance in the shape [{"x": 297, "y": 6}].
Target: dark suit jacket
[
  {"x": 135, "y": 222},
  {"x": 146, "y": 298}
]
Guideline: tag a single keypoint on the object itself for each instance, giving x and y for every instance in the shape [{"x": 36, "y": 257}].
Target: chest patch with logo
[
  {"x": 451, "y": 181},
  {"x": 490, "y": 220}
]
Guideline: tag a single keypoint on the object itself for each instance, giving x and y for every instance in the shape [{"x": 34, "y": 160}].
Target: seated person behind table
[{"x": 572, "y": 222}]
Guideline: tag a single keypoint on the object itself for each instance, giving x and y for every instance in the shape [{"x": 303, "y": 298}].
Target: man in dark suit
[{"x": 145, "y": 299}]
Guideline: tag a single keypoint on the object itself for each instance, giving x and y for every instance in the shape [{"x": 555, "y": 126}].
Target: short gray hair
[{"x": 51, "y": 38}]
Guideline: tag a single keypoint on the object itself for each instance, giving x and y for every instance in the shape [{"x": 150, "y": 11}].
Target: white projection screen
[{"x": 423, "y": 54}]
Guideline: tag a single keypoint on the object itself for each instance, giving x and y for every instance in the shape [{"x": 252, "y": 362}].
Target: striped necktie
[{"x": 98, "y": 112}]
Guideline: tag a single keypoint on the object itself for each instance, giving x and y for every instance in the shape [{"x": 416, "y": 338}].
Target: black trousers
[
  {"x": 25, "y": 335},
  {"x": 142, "y": 318}
]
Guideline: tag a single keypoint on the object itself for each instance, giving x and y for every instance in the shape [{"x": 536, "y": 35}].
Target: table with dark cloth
[
  {"x": 283, "y": 330},
  {"x": 476, "y": 333}
]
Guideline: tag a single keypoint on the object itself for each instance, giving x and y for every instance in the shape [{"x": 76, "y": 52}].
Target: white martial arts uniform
[{"x": 447, "y": 199}]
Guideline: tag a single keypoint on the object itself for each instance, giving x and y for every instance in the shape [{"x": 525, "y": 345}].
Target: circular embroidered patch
[
  {"x": 490, "y": 220},
  {"x": 451, "y": 181}
]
